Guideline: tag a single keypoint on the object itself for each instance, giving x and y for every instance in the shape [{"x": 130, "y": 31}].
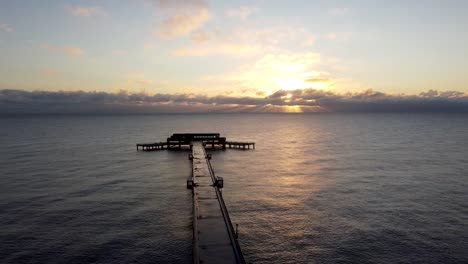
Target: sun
[
  {"x": 291, "y": 84},
  {"x": 285, "y": 73}
]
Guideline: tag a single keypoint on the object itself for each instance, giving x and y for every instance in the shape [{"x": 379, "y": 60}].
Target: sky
[{"x": 231, "y": 55}]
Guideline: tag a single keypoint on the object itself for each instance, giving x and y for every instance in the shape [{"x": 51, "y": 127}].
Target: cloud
[
  {"x": 138, "y": 79},
  {"x": 273, "y": 71},
  {"x": 181, "y": 17},
  {"x": 225, "y": 48},
  {"x": 342, "y": 36},
  {"x": 68, "y": 50},
  {"x": 339, "y": 11},
  {"x": 6, "y": 27},
  {"x": 49, "y": 71},
  {"x": 242, "y": 12},
  {"x": 73, "y": 51},
  {"x": 243, "y": 41},
  {"x": 308, "y": 41},
  {"x": 216, "y": 42},
  {"x": 318, "y": 79},
  {"x": 331, "y": 36},
  {"x": 182, "y": 24},
  {"x": 18, "y": 101},
  {"x": 85, "y": 11}
]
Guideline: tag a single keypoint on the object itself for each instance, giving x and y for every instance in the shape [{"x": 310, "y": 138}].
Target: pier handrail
[
  {"x": 196, "y": 254},
  {"x": 227, "y": 219}
]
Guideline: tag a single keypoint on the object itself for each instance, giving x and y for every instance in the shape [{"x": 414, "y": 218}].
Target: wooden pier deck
[{"x": 214, "y": 238}]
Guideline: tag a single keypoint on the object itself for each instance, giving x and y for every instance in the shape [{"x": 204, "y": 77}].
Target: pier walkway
[{"x": 214, "y": 238}]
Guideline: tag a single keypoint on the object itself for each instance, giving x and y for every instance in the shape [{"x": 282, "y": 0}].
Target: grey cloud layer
[{"x": 19, "y": 101}]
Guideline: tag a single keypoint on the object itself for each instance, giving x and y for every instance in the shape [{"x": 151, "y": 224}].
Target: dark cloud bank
[{"x": 308, "y": 100}]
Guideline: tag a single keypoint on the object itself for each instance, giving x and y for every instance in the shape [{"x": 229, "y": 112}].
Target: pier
[
  {"x": 181, "y": 141},
  {"x": 152, "y": 146},
  {"x": 240, "y": 145},
  {"x": 214, "y": 236}
]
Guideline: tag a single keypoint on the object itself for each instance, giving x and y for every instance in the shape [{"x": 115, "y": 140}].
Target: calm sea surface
[{"x": 324, "y": 188}]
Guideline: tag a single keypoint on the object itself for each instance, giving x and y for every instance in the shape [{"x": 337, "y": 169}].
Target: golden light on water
[{"x": 293, "y": 109}]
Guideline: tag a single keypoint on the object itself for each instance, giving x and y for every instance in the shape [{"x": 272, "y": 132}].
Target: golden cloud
[
  {"x": 274, "y": 71},
  {"x": 242, "y": 12},
  {"x": 6, "y": 27},
  {"x": 85, "y": 11},
  {"x": 181, "y": 17},
  {"x": 242, "y": 41},
  {"x": 68, "y": 50}
]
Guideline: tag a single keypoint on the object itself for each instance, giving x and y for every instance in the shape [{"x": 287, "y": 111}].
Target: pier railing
[{"x": 232, "y": 233}]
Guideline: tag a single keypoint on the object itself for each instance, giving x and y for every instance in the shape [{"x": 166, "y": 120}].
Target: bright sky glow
[{"x": 234, "y": 47}]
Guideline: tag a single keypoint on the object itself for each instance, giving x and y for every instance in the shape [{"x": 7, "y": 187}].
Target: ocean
[{"x": 318, "y": 188}]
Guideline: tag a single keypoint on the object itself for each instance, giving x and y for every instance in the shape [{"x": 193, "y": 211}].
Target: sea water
[{"x": 318, "y": 188}]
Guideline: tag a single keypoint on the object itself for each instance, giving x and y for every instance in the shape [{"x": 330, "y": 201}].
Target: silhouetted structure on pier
[{"x": 181, "y": 141}]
